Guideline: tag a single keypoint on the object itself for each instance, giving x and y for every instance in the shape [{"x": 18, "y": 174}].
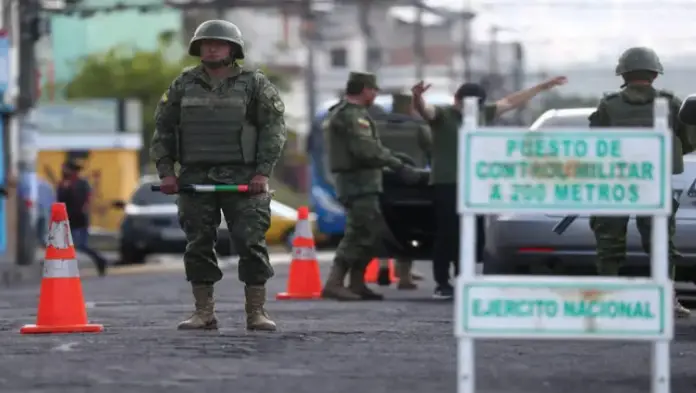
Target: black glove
[
  {"x": 413, "y": 176},
  {"x": 405, "y": 158}
]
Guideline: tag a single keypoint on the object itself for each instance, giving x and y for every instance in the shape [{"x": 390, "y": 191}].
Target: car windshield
[
  {"x": 566, "y": 121},
  {"x": 143, "y": 196}
]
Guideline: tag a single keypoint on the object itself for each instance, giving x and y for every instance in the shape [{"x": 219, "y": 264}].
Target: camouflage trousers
[
  {"x": 610, "y": 235},
  {"x": 247, "y": 217},
  {"x": 364, "y": 233}
]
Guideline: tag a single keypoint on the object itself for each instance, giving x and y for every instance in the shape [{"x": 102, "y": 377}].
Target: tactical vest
[
  {"x": 214, "y": 129},
  {"x": 404, "y": 134},
  {"x": 337, "y": 154},
  {"x": 630, "y": 115}
]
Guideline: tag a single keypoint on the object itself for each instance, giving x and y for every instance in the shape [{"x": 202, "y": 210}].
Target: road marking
[
  {"x": 173, "y": 263},
  {"x": 66, "y": 347}
]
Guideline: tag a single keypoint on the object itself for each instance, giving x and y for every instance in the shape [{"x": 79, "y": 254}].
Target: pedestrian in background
[
  {"x": 75, "y": 192},
  {"x": 47, "y": 196}
]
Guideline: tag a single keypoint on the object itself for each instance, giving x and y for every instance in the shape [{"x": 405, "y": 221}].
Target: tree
[{"x": 127, "y": 72}]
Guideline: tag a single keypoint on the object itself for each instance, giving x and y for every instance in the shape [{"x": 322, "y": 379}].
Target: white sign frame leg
[{"x": 466, "y": 369}]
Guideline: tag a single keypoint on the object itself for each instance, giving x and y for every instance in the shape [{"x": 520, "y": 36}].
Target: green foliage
[{"x": 127, "y": 72}]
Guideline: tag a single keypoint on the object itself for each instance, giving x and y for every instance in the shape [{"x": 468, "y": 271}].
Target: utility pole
[
  {"x": 29, "y": 31},
  {"x": 310, "y": 36},
  {"x": 467, "y": 44},
  {"x": 370, "y": 63},
  {"x": 493, "y": 64},
  {"x": 419, "y": 41}
]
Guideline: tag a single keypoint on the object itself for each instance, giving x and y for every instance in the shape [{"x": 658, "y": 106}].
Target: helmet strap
[{"x": 216, "y": 64}]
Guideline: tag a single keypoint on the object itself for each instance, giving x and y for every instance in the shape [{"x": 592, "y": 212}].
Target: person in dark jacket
[{"x": 75, "y": 192}]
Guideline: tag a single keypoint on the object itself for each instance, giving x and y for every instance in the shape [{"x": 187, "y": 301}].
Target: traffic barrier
[
  {"x": 376, "y": 274},
  {"x": 61, "y": 303},
  {"x": 304, "y": 279}
]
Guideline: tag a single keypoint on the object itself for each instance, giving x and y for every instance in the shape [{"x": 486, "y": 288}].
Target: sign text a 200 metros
[{"x": 598, "y": 170}]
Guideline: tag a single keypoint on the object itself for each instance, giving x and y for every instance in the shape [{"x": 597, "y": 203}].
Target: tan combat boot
[
  {"x": 357, "y": 283},
  {"x": 679, "y": 310},
  {"x": 256, "y": 316},
  {"x": 403, "y": 271},
  {"x": 204, "y": 316},
  {"x": 334, "y": 287}
]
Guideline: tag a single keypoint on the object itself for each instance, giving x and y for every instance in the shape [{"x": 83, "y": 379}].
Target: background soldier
[
  {"x": 221, "y": 140},
  {"x": 633, "y": 107},
  {"x": 402, "y": 109},
  {"x": 356, "y": 158}
]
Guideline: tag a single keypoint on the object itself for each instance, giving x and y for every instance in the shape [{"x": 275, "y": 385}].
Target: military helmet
[
  {"x": 639, "y": 59},
  {"x": 217, "y": 30}
]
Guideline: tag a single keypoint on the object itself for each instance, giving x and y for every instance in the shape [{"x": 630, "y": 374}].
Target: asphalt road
[{"x": 404, "y": 344}]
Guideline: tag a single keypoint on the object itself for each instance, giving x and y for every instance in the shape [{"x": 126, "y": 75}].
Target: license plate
[{"x": 173, "y": 234}]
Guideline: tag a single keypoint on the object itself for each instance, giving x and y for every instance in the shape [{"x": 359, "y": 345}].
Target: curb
[{"x": 14, "y": 275}]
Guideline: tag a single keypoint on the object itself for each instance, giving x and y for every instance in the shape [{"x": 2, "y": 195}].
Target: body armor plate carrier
[{"x": 214, "y": 129}]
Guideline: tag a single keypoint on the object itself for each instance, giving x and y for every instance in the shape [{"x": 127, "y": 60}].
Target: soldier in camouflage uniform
[
  {"x": 356, "y": 158},
  {"x": 632, "y": 106},
  {"x": 402, "y": 104},
  {"x": 223, "y": 125}
]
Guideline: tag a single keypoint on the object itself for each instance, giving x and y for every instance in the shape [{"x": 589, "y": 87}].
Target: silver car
[{"x": 525, "y": 243}]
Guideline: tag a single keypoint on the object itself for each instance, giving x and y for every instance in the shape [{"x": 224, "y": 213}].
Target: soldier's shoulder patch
[
  {"x": 362, "y": 122},
  {"x": 269, "y": 92},
  {"x": 278, "y": 105}
]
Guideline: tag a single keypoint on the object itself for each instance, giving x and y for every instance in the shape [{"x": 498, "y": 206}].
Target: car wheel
[{"x": 132, "y": 256}]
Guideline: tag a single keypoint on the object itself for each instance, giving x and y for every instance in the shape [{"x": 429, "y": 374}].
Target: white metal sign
[
  {"x": 573, "y": 171},
  {"x": 600, "y": 172},
  {"x": 543, "y": 307}
]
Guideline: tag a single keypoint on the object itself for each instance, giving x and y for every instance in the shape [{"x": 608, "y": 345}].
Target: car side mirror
[
  {"x": 121, "y": 205},
  {"x": 687, "y": 112},
  {"x": 691, "y": 192}
]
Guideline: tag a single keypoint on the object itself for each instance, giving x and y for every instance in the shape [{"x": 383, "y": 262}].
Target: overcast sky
[{"x": 559, "y": 32}]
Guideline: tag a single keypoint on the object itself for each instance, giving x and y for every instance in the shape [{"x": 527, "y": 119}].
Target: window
[
  {"x": 374, "y": 56},
  {"x": 339, "y": 58}
]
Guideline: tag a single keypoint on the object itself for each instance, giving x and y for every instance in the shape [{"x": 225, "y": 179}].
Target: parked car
[
  {"x": 150, "y": 225},
  {"x": 525, "y": 243}
]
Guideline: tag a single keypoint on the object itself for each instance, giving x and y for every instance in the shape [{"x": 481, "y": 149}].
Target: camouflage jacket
[{"x": 265, "y": 110}]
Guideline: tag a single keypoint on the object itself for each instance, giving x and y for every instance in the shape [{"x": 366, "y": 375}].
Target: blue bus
[{"x": 330, "y": 214}]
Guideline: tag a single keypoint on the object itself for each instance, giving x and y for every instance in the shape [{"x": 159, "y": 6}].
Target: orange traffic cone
[
  {"x": 376, "y": 274},
  {"x": 61, "y": 303},
  {"x": 304, "y": 280}
]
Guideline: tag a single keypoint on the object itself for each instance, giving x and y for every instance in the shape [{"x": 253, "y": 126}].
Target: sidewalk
[{"x": 401, "y": 345}]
